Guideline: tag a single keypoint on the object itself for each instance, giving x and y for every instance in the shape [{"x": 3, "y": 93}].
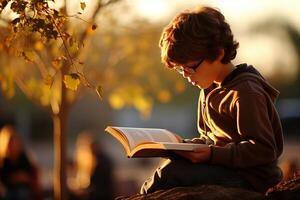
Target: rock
[
  {"x": 204, "y": 192},
  {"x": 286, "y": 190}
]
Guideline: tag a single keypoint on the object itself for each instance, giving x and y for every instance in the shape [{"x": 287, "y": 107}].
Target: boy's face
[{"x": 204, "y": 74}]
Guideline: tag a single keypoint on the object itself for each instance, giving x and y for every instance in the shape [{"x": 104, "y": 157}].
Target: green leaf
[
  {"x": 72, "y": 81},
  {"x": 99, "y": 91},
  {"x": 82, "y": 5}
]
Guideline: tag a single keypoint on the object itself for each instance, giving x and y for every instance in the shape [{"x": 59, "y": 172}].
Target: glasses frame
[{"x": 189, "y": 69}]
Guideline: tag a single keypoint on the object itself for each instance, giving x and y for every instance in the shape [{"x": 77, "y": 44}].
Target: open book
[{"x": 149, "y": 142}]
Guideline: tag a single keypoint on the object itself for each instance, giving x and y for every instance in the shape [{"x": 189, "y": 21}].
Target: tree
[
  {"x": 36, "y": 22},
  {"x": 44, "y": 52}
]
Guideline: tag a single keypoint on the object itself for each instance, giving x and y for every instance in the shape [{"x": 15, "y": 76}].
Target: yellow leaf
[
  {"x": 143, "y": 105},
  {"x": 164, "y": 96},
  {"x": 82, "y": 5},
  {"x": 99, "y": 91},
  {"x": 72, "y": 81},
  {"x": 180, "y": 87},
  {"x": 38, "y": 45},
  {"x": 27, "y": 56},
  {"x": 48, "y": 80},
  {"x": 116, "y": 101}
]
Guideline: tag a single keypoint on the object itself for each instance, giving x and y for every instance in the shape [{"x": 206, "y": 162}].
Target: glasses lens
[
  {"x": 190, "y": 69},
  {"x": 180, "y": 70}
]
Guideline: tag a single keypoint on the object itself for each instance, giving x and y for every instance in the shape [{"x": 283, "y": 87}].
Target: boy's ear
[{"x": 221, "y": 54}]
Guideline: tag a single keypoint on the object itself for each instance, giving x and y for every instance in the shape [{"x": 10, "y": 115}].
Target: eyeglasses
[{"x": 189, "y": 69}]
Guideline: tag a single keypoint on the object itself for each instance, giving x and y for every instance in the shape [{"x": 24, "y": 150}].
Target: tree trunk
[
  {"x": 60, "y": 131},
  {"x": 59, "y": 178}
]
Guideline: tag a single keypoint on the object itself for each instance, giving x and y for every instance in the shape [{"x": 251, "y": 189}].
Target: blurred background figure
[
  {"x": 92, "y": 171},
  {"x": 19, "y": 175}
]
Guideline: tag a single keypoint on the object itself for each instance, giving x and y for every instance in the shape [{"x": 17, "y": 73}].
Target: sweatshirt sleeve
[{"x": 257, "y": 145}]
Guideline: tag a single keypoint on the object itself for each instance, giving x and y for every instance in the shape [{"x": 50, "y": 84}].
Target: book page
[
  {"x": 141, "y": 135},
  {"x": 162, "y": 149}
]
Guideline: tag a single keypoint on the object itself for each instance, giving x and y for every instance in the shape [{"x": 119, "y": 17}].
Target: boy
[{"x": 237, "y": 118}]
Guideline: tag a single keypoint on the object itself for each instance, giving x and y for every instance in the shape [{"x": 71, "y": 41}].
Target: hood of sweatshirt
[{"x": 244, "y": 72}]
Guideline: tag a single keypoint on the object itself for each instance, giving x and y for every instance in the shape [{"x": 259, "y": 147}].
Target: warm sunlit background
[{"x": 140, "y": 92}]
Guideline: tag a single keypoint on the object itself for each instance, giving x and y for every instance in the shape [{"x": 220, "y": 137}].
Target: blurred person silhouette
[
  {"x": 18, "y": 173},
  {"x": 93, "y": 170}
]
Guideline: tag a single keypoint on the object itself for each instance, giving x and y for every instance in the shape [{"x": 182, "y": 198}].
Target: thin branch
[
  {"x": 84, "y": 35},
  {"x": 63, "y": 41},
  {"x": 60, "y": 35},
  {"x": 98, "y": 8},
  {"x": 41, "y": 65}
]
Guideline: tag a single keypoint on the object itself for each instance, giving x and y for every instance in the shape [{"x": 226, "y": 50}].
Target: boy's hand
[
  {"x": 194, "y": 140},
  {"x": 199, "y": 155}
]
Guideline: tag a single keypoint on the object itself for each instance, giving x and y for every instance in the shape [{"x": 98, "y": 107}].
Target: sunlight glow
[
  {"x": 274, "y": 55},
  {"x": 152, "y": 10},
  {"x": 242, "y": 16}
]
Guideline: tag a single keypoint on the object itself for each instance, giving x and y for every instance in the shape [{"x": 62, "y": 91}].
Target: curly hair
[{"x": 194, "y": 34}]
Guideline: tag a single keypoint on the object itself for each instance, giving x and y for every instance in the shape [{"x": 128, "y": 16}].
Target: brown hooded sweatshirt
[{"x": 239, "y": 120}]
